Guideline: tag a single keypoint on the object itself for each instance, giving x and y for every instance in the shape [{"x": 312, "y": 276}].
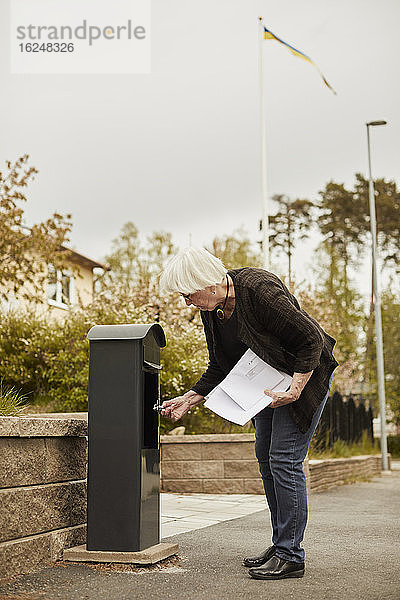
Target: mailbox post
[
  {"x": 123, "y": 505},
  {"x": 124, "y": 449}
]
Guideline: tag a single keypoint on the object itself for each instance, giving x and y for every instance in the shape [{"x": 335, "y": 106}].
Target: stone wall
[
  {"x": 226, "y": 464},
  {"x": 42, "y": 490},
  {"x": 330, "y": 472},
  {"x": 211, "y": 464}
]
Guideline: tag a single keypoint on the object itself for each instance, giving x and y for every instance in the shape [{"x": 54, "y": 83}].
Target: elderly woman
[{"x": 251, "y": 308}]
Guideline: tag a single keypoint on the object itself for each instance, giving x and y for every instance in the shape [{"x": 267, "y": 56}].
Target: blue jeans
[{"x": 280, "y": 450}]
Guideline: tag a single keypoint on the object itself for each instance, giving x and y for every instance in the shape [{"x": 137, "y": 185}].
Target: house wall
[{"x": 83, "y": 286}]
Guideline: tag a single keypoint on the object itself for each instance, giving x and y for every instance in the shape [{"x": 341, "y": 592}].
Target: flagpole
[{"x": 265, "y": 223}]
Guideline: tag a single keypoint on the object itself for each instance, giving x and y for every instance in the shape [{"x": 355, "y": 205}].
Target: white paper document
[{"x": 240, "y": 396}]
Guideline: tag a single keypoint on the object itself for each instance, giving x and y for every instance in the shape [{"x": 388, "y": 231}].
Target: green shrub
[
  {"x": 183, "y": 359},
  {"x": 48, "y": 358},
  {"x": 393, "y": 442},
  {"x": 24, "y": 337}
]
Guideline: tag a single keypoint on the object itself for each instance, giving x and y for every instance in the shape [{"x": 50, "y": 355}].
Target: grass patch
[
  {"x": 12, "y": 401},
  {"x": 341, "y": 449},
  {"x": 356, "y": 478}
]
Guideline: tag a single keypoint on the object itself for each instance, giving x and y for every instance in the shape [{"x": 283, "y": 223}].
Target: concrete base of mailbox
[{"x": 149, "y": 556}]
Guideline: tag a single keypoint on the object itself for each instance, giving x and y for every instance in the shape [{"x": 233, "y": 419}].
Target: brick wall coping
[
  {"x": 75, "y": 424},
  {"x": 335, "y": 461},
  {"x": 45, "y": 425},
  {"x": 207, "y": 437}
]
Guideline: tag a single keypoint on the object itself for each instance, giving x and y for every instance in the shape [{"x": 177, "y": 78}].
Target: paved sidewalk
[
  {"x": 352, "y": 552},
  {"x": 185, "y": 512}
]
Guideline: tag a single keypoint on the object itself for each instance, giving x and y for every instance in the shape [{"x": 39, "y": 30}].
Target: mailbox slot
[{"x": 150, "y": 416}]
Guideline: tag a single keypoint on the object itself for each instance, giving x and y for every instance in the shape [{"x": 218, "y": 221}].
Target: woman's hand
[
  {"x": 281, "y": 398},
  {"x": 177, "y": 407},
  {"x": 297, "y": 386}
]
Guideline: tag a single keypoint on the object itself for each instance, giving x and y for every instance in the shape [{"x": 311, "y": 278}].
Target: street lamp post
[{"x": 377, "y": 306}]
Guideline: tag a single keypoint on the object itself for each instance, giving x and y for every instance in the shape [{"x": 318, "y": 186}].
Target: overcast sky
[{"x": 179, "y": 149}]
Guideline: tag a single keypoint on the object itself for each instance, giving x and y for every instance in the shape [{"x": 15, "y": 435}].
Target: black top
[
  {"x": 271, "y": 322},
  {"x": 230, "y": 344}
]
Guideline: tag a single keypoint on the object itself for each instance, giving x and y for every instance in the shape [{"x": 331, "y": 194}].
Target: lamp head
[{"x": 375, "y": 123}]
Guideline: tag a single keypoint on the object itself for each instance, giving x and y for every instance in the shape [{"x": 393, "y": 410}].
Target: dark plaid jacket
[{"x": 271, "y": 323}]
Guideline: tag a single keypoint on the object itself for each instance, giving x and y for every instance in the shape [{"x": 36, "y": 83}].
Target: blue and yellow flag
[{"x": 268, "y": 35}]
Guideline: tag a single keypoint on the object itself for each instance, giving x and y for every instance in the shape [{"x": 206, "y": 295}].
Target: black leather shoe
[
  {"x": 257, "y": 561},
  {"x": 278, "y": 568}
]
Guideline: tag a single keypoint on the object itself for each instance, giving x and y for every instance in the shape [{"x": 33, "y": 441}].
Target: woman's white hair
[{"x": 190, "y": 270}]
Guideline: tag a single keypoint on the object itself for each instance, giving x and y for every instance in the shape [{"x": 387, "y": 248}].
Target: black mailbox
[{"x": 124, "y": 450}]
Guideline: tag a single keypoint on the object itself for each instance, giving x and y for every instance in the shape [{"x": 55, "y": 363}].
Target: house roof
[
  {"x": 76, "y": 256},
  {"x": 85, "y": 260}
]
